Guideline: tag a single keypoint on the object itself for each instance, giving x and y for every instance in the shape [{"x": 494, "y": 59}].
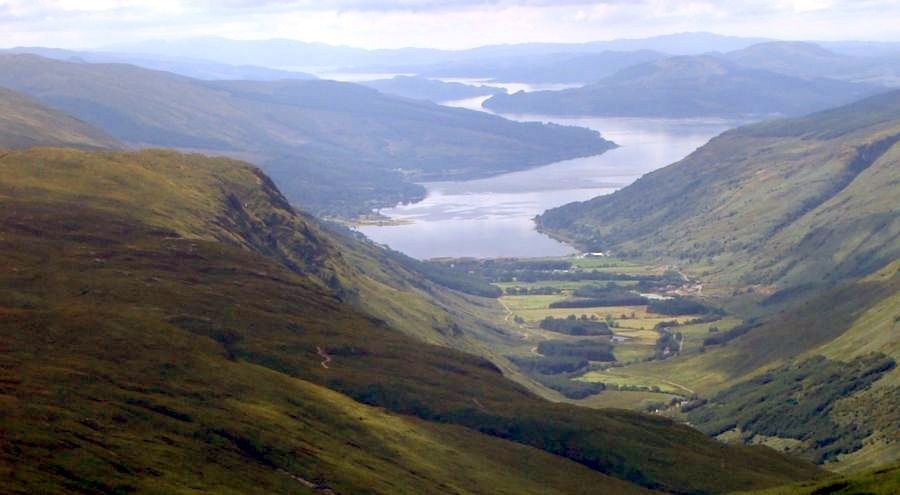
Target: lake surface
[{"x": 493, "y": 217}]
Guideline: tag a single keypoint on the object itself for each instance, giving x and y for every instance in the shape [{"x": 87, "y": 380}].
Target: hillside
[
  {"x": 794, "y": 224},
  {"x": 812, "y": 60},
  {"x": 698, "y": 86},
  {"x": 786, "y": 201},
  {"x": 25, "y": 123},
  {"x": 569, "y": 68},
  {"x": 190, "y": 67},
  {"x": 333, "y": 147},
  {"x": 421, "y": 88},
  {"x": 173, "y": 325}
]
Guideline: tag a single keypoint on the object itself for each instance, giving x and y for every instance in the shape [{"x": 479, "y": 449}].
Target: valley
[
  {"x": 266, "y": 265},
  {"x": 492, "y": 217}
]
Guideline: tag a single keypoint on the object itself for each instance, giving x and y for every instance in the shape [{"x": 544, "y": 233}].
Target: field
[{"x": 636, "y": 334}]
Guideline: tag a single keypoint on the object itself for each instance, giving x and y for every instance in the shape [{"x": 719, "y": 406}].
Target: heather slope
[{"x": 202, "y": 326}]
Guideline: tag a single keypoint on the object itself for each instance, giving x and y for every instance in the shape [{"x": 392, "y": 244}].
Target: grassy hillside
[
  {"x": 699, "y": 86},
  {"x": 794, "y": 225},
  {"x": 791, "y": 201},
  {"x": 333, "y": 147},
  {"x": 25, "y": 123},
  {"x": 880, "y": 481},
  {"x": 164, "y": 330}
]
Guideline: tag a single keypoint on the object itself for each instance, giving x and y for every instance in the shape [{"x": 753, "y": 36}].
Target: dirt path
[
  {"x": 509, "y": 313},
  {"x": 325, "y": 357},
  {"x": 676, "y": 385}
]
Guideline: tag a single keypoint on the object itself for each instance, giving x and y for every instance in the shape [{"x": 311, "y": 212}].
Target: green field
[
  {"x": 622, "y": 379},
  {"x": 633, "y": 327}
]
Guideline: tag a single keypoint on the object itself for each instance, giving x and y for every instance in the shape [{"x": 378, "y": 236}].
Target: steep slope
[
  {"x": 163, "y": 331},
  {"x": 880, "y": 481},
  {"x": 700, "y": 86},
  {"x": 791, "y": 201},
  {"x": 25, "y": 123},
  {"x": 333, "y": 147},
  {"x": 794, "y": 224}
]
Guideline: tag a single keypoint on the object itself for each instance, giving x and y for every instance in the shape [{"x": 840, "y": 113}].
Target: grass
[
  {"x": 694, "y": 334},
  {"x": 884, "y": 480},
  {"x": 635, "y": 400},
  {"x": 176, "y": 345},
  {"x": 560, "y": 284},
  {"x": 623, "y": 379},
  {"x": 25, "y": 123}
]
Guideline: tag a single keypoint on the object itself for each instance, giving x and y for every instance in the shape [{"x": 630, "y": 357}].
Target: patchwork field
[{"x": 590, "y": 292}]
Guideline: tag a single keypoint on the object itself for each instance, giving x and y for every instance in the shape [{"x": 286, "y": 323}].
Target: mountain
[
  {"x": 25, "y": 123},
  {"x": 794, "y": 58},
  {"x": 421, "y": 88},
  {"x": 794, "y": 224},
  {"x": 812, "y": 60},
  {"x": 196, "y": 68},
  {"x": 168, "y": 321},
  {"x": 803, "y": 192},
  {"x": 568, "y": 68},
  {"x": 701, "y": 86},
  {"x": 335, "y": 148},
  {"x": 283, "y": 53}
]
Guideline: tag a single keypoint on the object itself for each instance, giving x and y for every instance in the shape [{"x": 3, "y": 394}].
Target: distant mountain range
[
  {"x": 284, "y": 53},
  {"x": 514, "y": 57},
  {"x": 688, "y": 86},
  {"x": 334, "y": 147},
  {"x": 195, "y": 68}
]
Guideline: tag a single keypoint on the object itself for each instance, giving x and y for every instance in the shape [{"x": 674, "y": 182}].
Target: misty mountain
[
  {"x": 812, "y": 60},
  {"x": 701, "y": 86},
  {"x": 25, "y": 123},
  {"x": 550, "y": 68},
  {"x": 421, "y": 88},
  {"x": 196, "y": 68},
  {"x": 334, "y": 147},
  {"x": 282, "y": 53}
]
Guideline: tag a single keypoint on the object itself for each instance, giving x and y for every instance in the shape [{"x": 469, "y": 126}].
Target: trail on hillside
[{"x": 325, "y": 357}]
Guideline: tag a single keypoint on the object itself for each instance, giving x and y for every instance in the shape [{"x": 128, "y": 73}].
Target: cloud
[{"x": 437, "y": 23}]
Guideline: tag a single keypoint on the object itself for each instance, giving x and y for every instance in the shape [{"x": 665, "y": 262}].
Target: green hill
[
  {"x": 169, "y": 324},
  {"x": 880, "y": 481},
  {"x": 788, "y": 201},
  {"x": 697, "y": 86},
  {"x": 25, "y": 123},
  {"x": 333, "y": 147},
  {"x": 793, "y": 224}
]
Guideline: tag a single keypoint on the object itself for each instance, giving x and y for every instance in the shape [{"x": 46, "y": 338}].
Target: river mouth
[{"x": 494, "y": 217}]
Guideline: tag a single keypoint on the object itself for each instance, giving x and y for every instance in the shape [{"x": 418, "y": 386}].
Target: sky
[{"x": 449, "y": 24}]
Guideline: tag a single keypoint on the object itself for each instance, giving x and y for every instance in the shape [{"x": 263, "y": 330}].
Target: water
[{"x": 493, "y": 217}]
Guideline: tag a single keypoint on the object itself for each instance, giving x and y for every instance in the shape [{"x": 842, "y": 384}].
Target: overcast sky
[{"x": 436, "y": 23}]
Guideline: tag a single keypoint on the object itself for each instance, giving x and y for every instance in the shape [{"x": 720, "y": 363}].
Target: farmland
[{"x": 560, "y": 303}]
